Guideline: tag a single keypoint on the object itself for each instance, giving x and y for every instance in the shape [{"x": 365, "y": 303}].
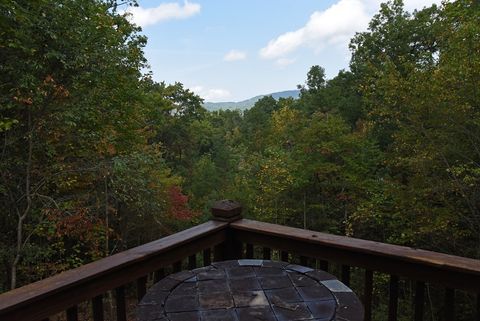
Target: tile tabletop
[{"x": 244, "y": 290}]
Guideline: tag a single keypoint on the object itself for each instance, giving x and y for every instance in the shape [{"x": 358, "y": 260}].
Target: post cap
[{"x": 227, "y": 210}]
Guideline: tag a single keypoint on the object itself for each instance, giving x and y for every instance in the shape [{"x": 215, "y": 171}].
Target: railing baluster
[
  {"x": 284, "y": 256},
  {"x": 449, "y": 304},
  {"x": 324, "y": 265},
  {"x": 177, "y": 266},
  {"x": 267, "y": 253},
  {"x": 158, "y": 275},
  {"x": 207, "y": 260},
  {"x": 97, "y": 308},
  {"x": 478, "y": 306},
  {"x": 192, "y": 262},
  {"x": 367, "y": 295},
  {"x": 120, "y": 303},
  {"x": 249, "y": 251},
  {"x": 419, "y": 300},
  {"x": 72, "y": 313},
  {"x": 303, "y": 260},
  {"x": 393, "y": 298},
  {"x": 346, "y": 275},
  {"x": 235, "y": 250},
  {"x": 141, "y": 287},
  {"x": 218, "y": 252}
]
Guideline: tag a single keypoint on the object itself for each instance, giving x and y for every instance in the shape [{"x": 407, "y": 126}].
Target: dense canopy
[{"x": 96, "y": 157}]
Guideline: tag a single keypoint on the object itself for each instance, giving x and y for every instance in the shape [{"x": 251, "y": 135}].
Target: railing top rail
[
  {"x": 96, "y": 270},
  {"x": 399, "y": 253}
]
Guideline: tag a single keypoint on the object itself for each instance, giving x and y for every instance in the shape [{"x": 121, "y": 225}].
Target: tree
[
  {"x": 311, "y": 94},
  {"x": 342, "y": 96},
  {"x": 397, "y": 43},
  {"x": 257, "y": 122},
  {"x": 69, "y": 98}
]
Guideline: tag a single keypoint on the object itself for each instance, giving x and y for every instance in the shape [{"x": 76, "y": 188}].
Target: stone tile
[
  {"x": 240, "y": 272},
  {"x": 181, "y": 303},
  {"x": 155, "y": 295},
  {"x": 209, "y": 301},
  {"x": 336, "y": 286},
  {"x": 225, "y": 264},
  {"x": 148, "y": 313},
  {"x": 250, "y": 262},
  {"x": 182, "y": 276},
  {"x": 275, "y": 282},
  {"x": 247, "y": 290},
  {"x": 349, "y": 306},
  {"x": 250, "y": 298},
  {"x": 277, "y": 264},
  {"x": 184, "y": 316},
  {"x": 255, "y": 314},
  {"x": 292, "y": 312},
  {"x": 298, "y": 268},
  {"x": 209, "y": 286},
  {"x": 218, "y": 315},
  {"x": 299, "y": 279},
  {"x": 269, "y": 271},
  {"x": 185, "y": 288},
  {"x": 167, "y": 284},
  {"x": 192, "y": 279},
  {"x": 212, "y": 274},
  {"x": 287, "y": 295},
  {"x": 203, "y": 269},
  {"x": 323, "y": 309},
  {"x": 244, "y": 284},
  {"x": 315, "y": 293},
  {"x": 320, "y": 275}
]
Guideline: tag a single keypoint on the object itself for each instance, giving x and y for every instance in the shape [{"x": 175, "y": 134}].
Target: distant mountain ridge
[{"x": 246, "y": 104}]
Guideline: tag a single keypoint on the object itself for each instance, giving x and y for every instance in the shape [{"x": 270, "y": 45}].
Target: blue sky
[{"x": 234, "y": 50}]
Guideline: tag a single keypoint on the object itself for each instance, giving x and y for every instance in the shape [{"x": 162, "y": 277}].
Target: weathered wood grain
[
  {"x": 47, "y": 297},
  {"x": 416, "y": 264}
]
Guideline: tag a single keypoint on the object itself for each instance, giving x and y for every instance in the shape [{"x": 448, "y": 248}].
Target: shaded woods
[{"x": 96, "y": 157}]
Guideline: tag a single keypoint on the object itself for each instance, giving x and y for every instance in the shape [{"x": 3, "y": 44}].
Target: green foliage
[
  {"x": 76, "y": 131},
  {"x": 96, "y": 157},
  {"x": 312, "y": 93}
]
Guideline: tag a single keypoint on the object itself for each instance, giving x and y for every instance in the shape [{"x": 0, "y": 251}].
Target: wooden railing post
[{"x": 227, "y": 211}]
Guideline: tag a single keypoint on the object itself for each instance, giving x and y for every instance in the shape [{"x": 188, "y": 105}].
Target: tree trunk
[
  {"x": 304, "y": 210},
  {"x": 28, "y": 197},
  {"x": 107, "y": 250}
]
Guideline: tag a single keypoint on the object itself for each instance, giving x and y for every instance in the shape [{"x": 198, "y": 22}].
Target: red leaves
[
  {"x": 179, "y": 204},
  {"x": 77, "y": 225}
]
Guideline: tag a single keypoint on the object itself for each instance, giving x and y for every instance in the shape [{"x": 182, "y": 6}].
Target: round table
[{"x": 244, "y": 290}]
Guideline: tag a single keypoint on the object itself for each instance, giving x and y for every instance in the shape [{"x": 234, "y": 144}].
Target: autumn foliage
[{"x": 178, "y": 205}]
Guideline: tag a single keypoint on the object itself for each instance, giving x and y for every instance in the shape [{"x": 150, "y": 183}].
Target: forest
[{"x": 96, "y": 157}]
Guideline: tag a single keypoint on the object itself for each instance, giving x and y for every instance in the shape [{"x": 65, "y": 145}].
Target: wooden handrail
[
  {"x": 451, "y": 271},
  {"x": 64, "y": 291},
  {"x": 49, "y": 296}
]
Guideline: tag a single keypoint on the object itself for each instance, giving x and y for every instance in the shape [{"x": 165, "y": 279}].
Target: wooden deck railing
[
  {"x": 229, "y": 236},
  {"x": 451, "y": 272}
]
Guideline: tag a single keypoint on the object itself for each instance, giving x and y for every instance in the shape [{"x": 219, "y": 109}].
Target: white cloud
[
  {"x": 334, "y": 26},
  {"x": 235, "y": 55},
  {"x": 165, "y": 11},
  {"x": 329, "y": 27},
  {"x": 283, "y": 62},
  {"x": 211, "y": 94}
]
